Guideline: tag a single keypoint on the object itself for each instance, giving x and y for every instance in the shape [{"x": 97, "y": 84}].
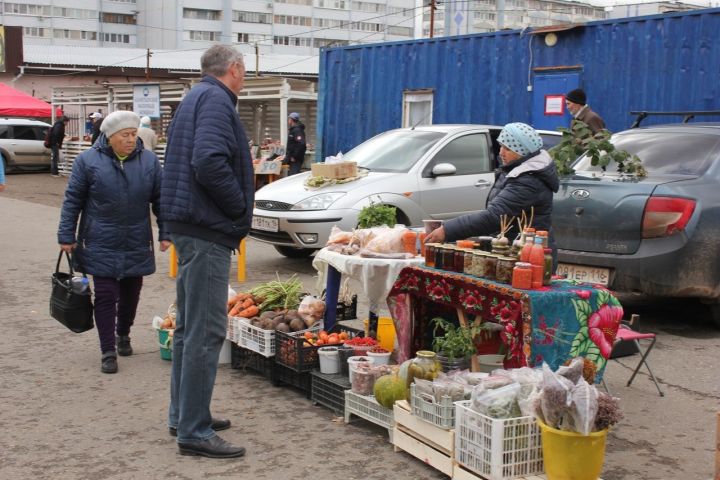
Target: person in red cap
[{"x": 576, "y": 102}]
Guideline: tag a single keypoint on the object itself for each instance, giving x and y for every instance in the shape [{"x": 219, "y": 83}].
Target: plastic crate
[
  {"x": 292, "y": 352},
  {"x": 230, "y": 334},
  {"x": 369, "y": 409},
  {"x": 329, "y": 391},
  {"x": 260, "y": 340},
  {"x": 439, "y": 414},
  {"x": 244, "y": 359},
  {"x": 497, "y": 449},
  {"x": 300, "y": 380}
]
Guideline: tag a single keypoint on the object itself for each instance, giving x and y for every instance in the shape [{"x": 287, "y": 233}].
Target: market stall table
[
  {"x": 372, "y": 276},
  {"x": 552, "y": 324}
]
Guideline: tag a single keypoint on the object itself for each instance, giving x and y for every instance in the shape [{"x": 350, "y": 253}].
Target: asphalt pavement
[{"x": 63, "y": 419}]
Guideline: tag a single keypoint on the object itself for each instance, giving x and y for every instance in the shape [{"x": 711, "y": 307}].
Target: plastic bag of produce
[
  {"x": 497, "y": 403},
  {"x": 447, "y": 387},
  {"x": 584, "y": 407},
  {"x": 574, "y": 371},
  {"x": 339, "y": 236},
  {"x": 311, "y": 310},
  {"x": 388, "y": 240},
  {"x": 555, "y": 398}
]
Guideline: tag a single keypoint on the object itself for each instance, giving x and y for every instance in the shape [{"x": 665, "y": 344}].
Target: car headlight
[{"x": 318, "y": 202}]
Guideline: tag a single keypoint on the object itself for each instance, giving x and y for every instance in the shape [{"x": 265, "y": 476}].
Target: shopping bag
[{"x": 69, "y": 304}]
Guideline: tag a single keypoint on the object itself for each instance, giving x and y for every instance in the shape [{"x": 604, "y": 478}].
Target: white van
[{"x": 21, "y": 144}]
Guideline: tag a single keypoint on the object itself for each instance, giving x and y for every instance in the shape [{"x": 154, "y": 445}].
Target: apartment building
[
  {"x": 457, "y": 17},
  {"x": 289, "y": 26}
]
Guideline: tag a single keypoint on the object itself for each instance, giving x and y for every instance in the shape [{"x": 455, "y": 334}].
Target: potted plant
[
  {"x": 456, "y": 347},
  {"x": 376, "y": 215}
]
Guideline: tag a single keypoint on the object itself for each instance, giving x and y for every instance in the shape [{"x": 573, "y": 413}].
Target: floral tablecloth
[{"x": 553, "y": 324}]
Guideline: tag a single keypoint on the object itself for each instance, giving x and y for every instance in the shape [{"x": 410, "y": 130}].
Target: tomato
[
  {"x": 343, "y": 336},
  {"x": 323, "y": 336},
  {"x": 309, "y": 335},
  {"x": 333, "y": 338},
  {"x": 320, "y": 342}
]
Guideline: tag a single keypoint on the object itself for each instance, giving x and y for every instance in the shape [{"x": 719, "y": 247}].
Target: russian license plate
[
  {"x": 584, "y": 273},
  {"x": 264, "y": 223}
]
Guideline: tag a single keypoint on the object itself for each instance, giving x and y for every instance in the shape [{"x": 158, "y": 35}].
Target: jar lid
[{"x": 426, "y": 353}]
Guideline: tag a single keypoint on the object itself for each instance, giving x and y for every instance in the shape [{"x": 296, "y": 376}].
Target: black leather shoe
[
  {"x": 124, "y": 349},
  {"x": 218, "y": 424},
  {"x": 109, "y": 363},
  {"x": 213, "y": 447}
]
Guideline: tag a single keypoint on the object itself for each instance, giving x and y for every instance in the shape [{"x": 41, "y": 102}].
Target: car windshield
[
  {"x": 395, "y": 151},
  {"x": 662, "y": 152}
]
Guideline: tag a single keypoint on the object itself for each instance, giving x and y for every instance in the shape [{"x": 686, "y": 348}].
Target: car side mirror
[{"x": 443, "y": 169}]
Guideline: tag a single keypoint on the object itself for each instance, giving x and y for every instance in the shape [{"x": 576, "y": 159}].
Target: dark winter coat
[
  {"x": 527, "y": 182},
  {"x": 112, "y": 199},
  {"x": 57, "y": 134},
  {"x": 208, "y": 185},
  {"x": 96, "y": 130},
  {"x": 296, "y": 144}
]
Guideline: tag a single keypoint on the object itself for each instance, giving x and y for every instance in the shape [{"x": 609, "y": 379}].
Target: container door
[{"x": 549, "y": 111}]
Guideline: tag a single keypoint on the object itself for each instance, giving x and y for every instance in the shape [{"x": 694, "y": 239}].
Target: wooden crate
[{"x": 424, "y": 441}]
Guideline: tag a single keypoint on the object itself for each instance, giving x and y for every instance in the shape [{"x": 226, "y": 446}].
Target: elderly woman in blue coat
[
  {"x": 111, "y": 189},
  {"x": 526, "y": 179}
]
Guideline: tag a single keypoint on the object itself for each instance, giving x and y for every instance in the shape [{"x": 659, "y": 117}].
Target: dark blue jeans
[
  {"x": 201, "y": 325},
  {"x": 54, "y": 159}
]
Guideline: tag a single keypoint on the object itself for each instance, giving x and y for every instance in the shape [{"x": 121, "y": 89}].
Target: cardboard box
[
  {"x": 272, "y": 167},
  {"x": 335, "y": 170}
]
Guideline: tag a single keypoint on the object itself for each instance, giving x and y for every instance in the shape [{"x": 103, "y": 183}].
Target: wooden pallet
[{"x": 424, "y": 441}]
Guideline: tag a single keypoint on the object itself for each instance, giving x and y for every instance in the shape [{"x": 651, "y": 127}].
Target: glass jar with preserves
[
  {"x": 504, "y": 269},
  {"x": 439, "y": 252},
  {"x": 459, "y": 260},
  {"x": 490, "y": 266},
  {"x": 430, "y": 250},
  {"x": 522, "y": 276},
  {"x": 476, "y": 268},
  {"x": 425, "y": 366}
]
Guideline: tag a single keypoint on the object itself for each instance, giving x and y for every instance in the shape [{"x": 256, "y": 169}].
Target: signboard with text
[{"x": 146, "y": 100}]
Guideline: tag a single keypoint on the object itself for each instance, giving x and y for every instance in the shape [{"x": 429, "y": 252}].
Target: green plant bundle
[
  {"x": 376, "y": 215},
  {"x": 457, "y": 342},
  {"x": 579, "y": 139}
]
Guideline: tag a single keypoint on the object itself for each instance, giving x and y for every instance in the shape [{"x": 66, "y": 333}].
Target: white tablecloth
[{"x": 373, "y": 277}]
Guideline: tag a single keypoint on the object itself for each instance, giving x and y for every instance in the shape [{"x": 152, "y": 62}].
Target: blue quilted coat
[
  {"x": 208, "y": 184},
  {"x": 112, "y": 200}
]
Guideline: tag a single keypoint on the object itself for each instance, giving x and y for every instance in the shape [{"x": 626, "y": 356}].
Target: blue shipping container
[{"x": 658, "y": 63}]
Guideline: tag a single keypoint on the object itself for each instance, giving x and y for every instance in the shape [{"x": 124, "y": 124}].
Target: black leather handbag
[{"x": 70, "y": 305}]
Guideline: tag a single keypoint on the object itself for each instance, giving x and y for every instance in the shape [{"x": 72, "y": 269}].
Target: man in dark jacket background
[
  {"x": 97, "y": 123},
  {"x": 296, "y": 145},
  {"x": 207, "y": 201},
  {"x": 57, "y": 135},
  {"x": 576, "y": 102}
]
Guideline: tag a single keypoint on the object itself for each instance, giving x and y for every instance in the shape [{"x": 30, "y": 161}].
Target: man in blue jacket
[{"x": 206, "y": 198}]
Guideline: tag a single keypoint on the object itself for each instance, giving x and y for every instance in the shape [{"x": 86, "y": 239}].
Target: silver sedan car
[{"x": 428, "y": 172}]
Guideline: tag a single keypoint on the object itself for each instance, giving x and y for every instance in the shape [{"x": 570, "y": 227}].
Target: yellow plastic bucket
[
  {"x": 572, "y": 456},
  {"x": 385, "y": 332}
]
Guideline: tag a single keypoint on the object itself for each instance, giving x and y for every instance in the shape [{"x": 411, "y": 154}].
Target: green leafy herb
[{"x": 376, "y": 215}]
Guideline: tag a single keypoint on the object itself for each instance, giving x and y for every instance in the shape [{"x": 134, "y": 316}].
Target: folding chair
[{"x": 627, "y": 334}]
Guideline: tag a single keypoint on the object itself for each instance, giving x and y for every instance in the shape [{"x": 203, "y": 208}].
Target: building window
[
  {"x": 368, "y": 7},
  {"x": 329, "y": 23},
  {"x": 296, "y": 2},
  {"x": 200, "y": 14},
  {"x": 328, "y": 42},
  {"x": 293, "y": 41},
  {"x": 123, "y": 1},
  {"x": 37, "y": 32},
  {"x": 25, "y": 9},
  {"x": 250, "y": 37},
  {"x": 74, "y": 34},
  {"x": 339, "y": 5},
  {"x": 201, "y": 35},
  {"x": 405, "y": 12},
  {"x": 417, "y": 107},
  {"x": 401, "y": 31},
  {"x": 251, "y": 17},
  {"x": 118, "y": 18},
  {"x": 293, "y": 20},
  {"x": 118, "y": 38},
  {"x": 74, "y": 13}
]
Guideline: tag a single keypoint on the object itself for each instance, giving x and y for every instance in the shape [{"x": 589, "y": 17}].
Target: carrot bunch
[{"x": 243, "y": 305}]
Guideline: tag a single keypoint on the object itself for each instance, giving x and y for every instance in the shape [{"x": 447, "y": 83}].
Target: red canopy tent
[{"x": 14, "y": 103}]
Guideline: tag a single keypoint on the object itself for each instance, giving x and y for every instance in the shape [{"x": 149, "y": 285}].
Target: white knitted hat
[{"x": 119, "y": 120}]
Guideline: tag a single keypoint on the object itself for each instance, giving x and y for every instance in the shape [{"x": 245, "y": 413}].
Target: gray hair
[{"x": 217, "y": 60}]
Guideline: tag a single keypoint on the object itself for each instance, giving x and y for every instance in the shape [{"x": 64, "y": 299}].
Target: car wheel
[
  {"x": 715, "y": 312},
  {"x": 294, "y": 252}
]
